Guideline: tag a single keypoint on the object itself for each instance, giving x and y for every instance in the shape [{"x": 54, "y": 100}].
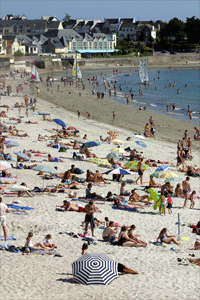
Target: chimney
[{"x": 158, "y": 26}]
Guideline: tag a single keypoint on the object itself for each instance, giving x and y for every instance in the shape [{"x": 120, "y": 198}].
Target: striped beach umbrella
[
  {"x": 133, "y": 165},
  {"x": 94, "y": 268},
  {"x": 113, "y": 154},
  {"x": 118, "y": 171}
]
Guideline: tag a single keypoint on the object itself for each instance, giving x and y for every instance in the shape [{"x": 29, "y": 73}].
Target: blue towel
[
  {"x": 20, "y": 207},
  {"x": 8, "y": 238}
]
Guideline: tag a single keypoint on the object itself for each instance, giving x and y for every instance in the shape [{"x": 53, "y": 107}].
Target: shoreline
[{"x": 127, "y": 117}]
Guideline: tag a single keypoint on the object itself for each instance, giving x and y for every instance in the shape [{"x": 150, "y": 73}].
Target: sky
[{"x": 93, "y": 9}]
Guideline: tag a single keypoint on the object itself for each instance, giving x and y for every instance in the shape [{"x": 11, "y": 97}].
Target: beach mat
[
  {"x": 8, "y": 238},
  {"x": 126, "y": 208}
]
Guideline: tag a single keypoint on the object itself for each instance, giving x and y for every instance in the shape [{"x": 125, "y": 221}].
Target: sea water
[{"x": 159, "y": 93}]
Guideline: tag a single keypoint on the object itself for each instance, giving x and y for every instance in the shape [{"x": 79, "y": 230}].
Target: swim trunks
[
  {"x": 90, "y": 219},
  {"x": 140, "y": 172},
  {"x": 185, "y": 191}
]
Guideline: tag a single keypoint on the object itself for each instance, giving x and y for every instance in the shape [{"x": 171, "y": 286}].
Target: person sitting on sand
[
  {"x": 123, "y": 191},
  {"x": 178, "y": 191},
  {"x": 98, "y": 177},
  {"x": 39, "y": 246},
  {"x": 135, "y": 237},
  {"x": 84, "y": 248},
  {"x": 68, "y": 177},
  {"x": 134, "y": 197},
  {"x": 22, "y": 193},
  {"x": 125, "y": 241},
  {"x": 167, "y": 188},
  {"x": 152, "y": 182},
  {"x": 89, "y": 194},
  {"x": 88, "y": 153},
  {"x": 89, "y": 176},
  {"x": 54, "y": 159},
  {"x": 165, "y": 238},
  {"x": 46, "y": 242},
  {"x": 110, "y": 232}
]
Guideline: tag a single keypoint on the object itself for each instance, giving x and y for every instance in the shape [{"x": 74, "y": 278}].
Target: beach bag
[{"x": 78, "y": 171}]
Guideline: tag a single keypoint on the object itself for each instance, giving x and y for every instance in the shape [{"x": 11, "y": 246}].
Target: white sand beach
[{"x": 48, "y": 277}]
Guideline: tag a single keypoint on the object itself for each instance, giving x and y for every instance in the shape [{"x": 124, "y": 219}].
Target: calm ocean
[{"x": 156, "y": 96}]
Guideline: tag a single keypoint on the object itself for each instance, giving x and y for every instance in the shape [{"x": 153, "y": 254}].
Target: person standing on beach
[
  {"x": 186, "y": 190},
  {"x": 190, "y": 115},
  {"x": 113, "y": 115},
  {"x": 140, "y": 171},
  {"x": 79, "y": 114},
  {"x": 90, "y": 208},
  {"x": 3, "y": 211}
]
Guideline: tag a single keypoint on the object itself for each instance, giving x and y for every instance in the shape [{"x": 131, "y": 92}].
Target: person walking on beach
[
  {"x": 3, "y": 211},
  {"x": 190, "y": 115},
  {"x": 186, "y": 190},
  {"x": 79, "y": 114},
  {"x": 162, "y": 203},
  {"x": 90, "y": 208},
  {"x": 113, "y": 115},
  {"x": 140, "y": 171}
]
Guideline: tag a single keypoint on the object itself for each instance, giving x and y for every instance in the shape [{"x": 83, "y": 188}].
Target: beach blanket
[
  {"x": 8, "y": 238},
  {"x": 85, "y": 237},
  {"x": 125, "y": 208},
  {"x": 20, "y": 207}
]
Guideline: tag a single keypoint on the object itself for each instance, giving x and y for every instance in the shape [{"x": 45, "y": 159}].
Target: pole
[
  {"x": 76, "y": 68},
  {"x": 179, "y": 228}
]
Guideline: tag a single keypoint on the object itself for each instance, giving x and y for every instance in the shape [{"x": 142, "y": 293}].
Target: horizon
[{"x": 140, "y": 10}]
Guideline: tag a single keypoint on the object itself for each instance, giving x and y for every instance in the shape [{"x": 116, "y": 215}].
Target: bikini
[{"x": 162, "y": 238}]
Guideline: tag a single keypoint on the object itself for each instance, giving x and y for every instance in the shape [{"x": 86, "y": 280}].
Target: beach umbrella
[
  {"x": 22, "y": 155},
  {"x": 45, "y": 169},
  {"x": 11, "y": 144},
  {"x": 18, "y": 187},
  {"x": 117, "y": 171},
  {"x": 59, "y": 122},
  {"x": 4, "y": 165},
  {"x": 173, "y": 179},
  {"x": 142, "y": 144},
  {"x": 116, "y": 141},
  {"x": 120, "y": 150},
  {"x": 90, "y": 145},
  {"x": 133, "y": 165},
  {"x": 162, "y": 168},
  {"x": 71, "y": 128},
  {"x": 100, "y": 162},
  {"x": 113, "y": 133},
  {"x": 168, "y": 175},
  {"x": 157, "y": 174},
  {"x": 94, "y": 268},
  {"x": 113, "y": 154}
]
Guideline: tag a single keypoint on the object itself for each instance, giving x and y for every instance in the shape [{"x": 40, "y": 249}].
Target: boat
[
  {"x": 143, "y": 72},
  {"x": 34, "y": 74},
  {"x": 76, "y": 70}
]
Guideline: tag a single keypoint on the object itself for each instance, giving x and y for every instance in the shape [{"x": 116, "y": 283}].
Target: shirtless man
[
  {"x": 151, "y": 121},
  {"x": 179, "y": 161},
  {"x": 186, "y": 190},
  {"x": 90, "y": 208},
  {"x": 110, "y": 231},
  {"x": 140, "y": 171}
]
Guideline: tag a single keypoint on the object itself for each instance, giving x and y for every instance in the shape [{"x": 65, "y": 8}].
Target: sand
[{"x": 48, "y": 277}]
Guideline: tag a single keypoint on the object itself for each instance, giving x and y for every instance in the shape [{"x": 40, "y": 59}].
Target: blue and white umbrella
[
  {"x": 46, "y": 169},
  {"x": 118, "y": 171},
  {"x": 22, "y": 155},
  {"x": 59, "y": 122},
  {"x": 162, "y": 168},
  {"x": 94, "y": 268},
  {"x": 11, "y": 144}
]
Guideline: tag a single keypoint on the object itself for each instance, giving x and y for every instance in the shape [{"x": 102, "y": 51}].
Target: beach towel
[
  {"x": 8, "y": 238},
  {"x": 125, "y": 208},
  {"x": 20, "y": 207}
]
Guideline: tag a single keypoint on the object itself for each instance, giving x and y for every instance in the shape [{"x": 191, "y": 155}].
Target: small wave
[
  {"x": 178, "y": 108},
  {"x": 153, "y": 104}
]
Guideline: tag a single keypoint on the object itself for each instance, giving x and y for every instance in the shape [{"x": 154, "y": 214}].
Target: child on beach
[
  {"x": 162, "y": 204},
  {"x": 46, "y": 242},
  {"x": 191, "y": 198},
  {"x": 169, "y": 203}
]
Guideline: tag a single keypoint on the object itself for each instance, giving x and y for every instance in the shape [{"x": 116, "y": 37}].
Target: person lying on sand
[
  {"x": 39, "y": 246},
  {"x": 30, "y": 122},
  {"x": 37, "y": 151},
  {"x": 118, "y": 203},
  {"x": 87, "y": 153},
  {"x": 134, "y": 197},
  {"x": 54, "y": 159},
  {"x": 70, "y": 207}
]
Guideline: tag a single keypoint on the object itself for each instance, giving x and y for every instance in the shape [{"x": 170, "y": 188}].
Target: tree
[
  {"x": 66, "y": 20},
  {"x": 18, "y": 53},
  {"x": 192, "y": 30}
]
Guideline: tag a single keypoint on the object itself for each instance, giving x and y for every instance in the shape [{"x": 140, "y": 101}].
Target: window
[
  {"x": 100, "y": 45},
  {"x": 20, "y": 27},
  {"x": 28, "y": 30},
  {"x": 15, "y": 28},
  {"x": 111, "y": 45},
  {"x": 6, "y": 31},
  {"x": 127, "y": 29},
  {"x": 90, "y": 45},
  {"x": 105, "y": 45},
  {"x": 34, "y": 49}
]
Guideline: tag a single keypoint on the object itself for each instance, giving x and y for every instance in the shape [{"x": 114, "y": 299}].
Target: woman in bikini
[
  {"x": 165, "y": 238},
  {"x": 135, "y": 237}
]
